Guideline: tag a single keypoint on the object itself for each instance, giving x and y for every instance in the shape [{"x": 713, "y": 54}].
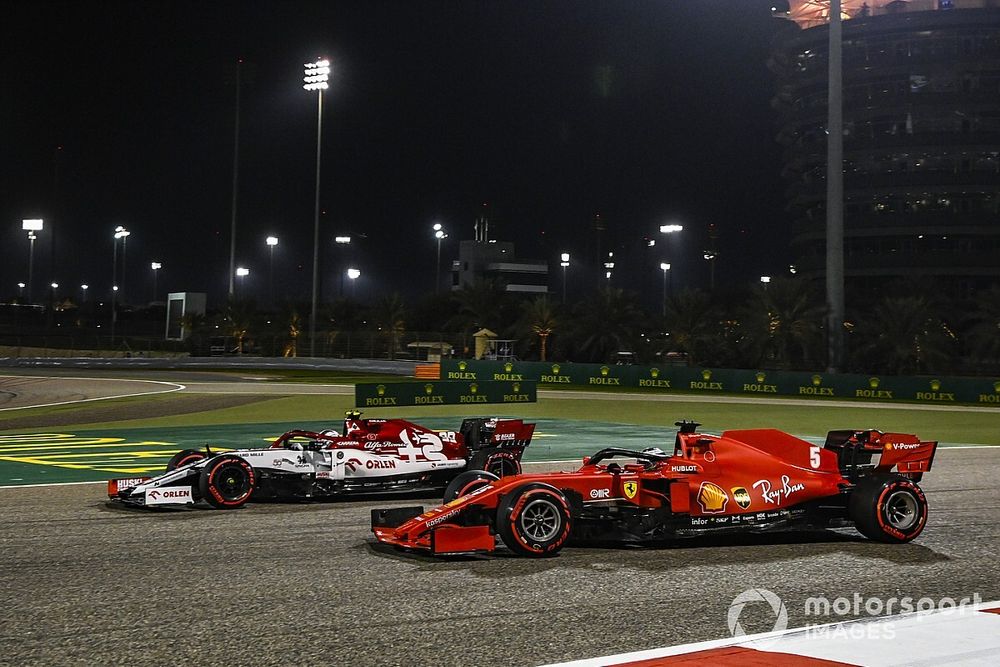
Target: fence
[{"x": 930, "y": 389}]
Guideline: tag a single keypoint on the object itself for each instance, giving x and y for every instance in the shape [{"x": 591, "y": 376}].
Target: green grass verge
[{"x": 810, "y": 420}]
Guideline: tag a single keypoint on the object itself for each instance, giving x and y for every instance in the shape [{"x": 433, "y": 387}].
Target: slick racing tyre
[
  {"x": 227, "y": 482},
  {"x": 534, "y": 520},
  {"x": 888, "y": 509},
  {"x": 503, "y": 464},
  {"x": 183, "y": 458},
  {"x": 468, "y": 481}
]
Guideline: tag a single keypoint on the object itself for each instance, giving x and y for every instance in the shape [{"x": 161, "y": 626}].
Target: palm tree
[
  {"x": 538, "y": 317},
  {"x": 905, "y": 334},
  {"x": 480, "y": 304},
  {"x": 693, "y": 324},
  {"x": 984, "y": 334},
  {"x": 606, "y": 324},
  {"x": 389, "y": 316},
  {"x": 237, "y": 318},
  {"x": 782, "y": 325}
]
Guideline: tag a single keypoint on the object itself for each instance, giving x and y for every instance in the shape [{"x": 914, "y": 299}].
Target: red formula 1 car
[
  {"x": 366, "y": 455},
  {"x": 749, "y": 480}
]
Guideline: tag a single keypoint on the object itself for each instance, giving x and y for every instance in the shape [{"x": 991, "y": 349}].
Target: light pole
[
  {"x": 120, "y": 233},
  {"x": 242, "y": 273},
  {"x": 609, "y": 267},
  {"x": 54, "y": 287},
  {"x": 564, "y": 263},
  {"x": 440, "y": 235},
  {"x": 835, "y": 194},
  {"x": 271, "y": 241},
  {"x": 664, "y": 267},
  {"x": 353, "y": 274},
  {"x": 123, "y": 234},
  {"x": 669, "y": 230},
  {"x": 317, "y": 75},
  {"x": 155, "y": 266},
  {"x": 765, "y": 281},
  {"x": 31, "y": 226},
  {"x": 342, "y": 242},
  {"x": 83, "y": 293},
  {"x": 20, "y": 290}
]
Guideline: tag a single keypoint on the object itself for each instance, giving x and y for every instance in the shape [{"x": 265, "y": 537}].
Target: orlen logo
[
  {"x": 600, "y": 493},
  {"x": 179, "y": 494}
]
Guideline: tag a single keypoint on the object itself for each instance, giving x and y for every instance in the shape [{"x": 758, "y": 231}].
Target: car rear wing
[
  {"x": 484, "y": 432},
  {"x": 861, "y": 453}
]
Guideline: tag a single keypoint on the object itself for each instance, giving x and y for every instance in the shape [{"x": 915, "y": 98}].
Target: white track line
[
  {"x": 29, "y": 486},
  {"x": 174, "y": 387}
]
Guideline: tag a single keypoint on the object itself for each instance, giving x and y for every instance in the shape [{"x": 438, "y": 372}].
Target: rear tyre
[
  {"x": 466, "y": 482},
  {"x": 227, "y": 482},
  {"x": 889, "y": 509},
  {"x": 183, "y": 458},
  {"x": 503, "y": 464},
  {"x": 534, "y": 520}
]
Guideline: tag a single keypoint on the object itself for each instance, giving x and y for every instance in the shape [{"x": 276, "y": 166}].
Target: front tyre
[
  {"x": 227, "y": 482},
  {"x": 534, "y": 520},
  {"x": 466, "y": 482},
  {"x": 183, "y": 458},
  {"x": 888, "y": 509}
]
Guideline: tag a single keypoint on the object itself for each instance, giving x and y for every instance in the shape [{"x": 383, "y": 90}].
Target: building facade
[
  {"x": 486, "y": 258},
  {"x": 921, "y": 141}
]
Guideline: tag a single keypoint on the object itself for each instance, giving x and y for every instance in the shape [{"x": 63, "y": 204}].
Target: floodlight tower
[
  {"x": 31, "y": 226},
  {"x": 317, "y": 76}
]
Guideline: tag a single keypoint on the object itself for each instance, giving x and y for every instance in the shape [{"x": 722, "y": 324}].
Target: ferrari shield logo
[{"x": 630, "y": 489}]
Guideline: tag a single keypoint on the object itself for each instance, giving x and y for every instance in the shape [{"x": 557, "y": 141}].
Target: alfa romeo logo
[{"x": 750, "y": 596}]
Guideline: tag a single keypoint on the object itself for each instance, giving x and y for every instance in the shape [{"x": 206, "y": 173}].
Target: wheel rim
[
  {"x": 540, "y": 520},
  {"x": 901, "y": 510},
  {"x": 232, "y": 481}
]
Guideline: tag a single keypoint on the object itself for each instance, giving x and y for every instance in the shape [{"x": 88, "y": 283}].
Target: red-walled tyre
[
  {"x": 466, "y": 482},
  {"x": 183, "y": 458},
  {"x": 227, "y": 482},
  {"x": 888, "y": 509},
  {"x": 503, "y": 464},
  {"x": 534, "y": 520}
]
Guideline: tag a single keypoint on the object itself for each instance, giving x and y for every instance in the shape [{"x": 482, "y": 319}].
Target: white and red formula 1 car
[{"x": 368, "y": 455}]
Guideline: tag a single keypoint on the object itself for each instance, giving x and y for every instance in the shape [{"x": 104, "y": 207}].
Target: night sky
[{"x": 646, "y": 112}]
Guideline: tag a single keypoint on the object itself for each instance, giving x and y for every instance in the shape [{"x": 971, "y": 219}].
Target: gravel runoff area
[{"x": 84, "y": 583}]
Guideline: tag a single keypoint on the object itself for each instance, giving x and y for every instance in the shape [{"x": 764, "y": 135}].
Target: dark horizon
[{"x": 647, "y": 113}]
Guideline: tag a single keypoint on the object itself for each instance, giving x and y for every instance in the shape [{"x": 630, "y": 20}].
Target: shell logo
[
  {"x": 712, "y": 498},
  {"x": 817, "y": 380},
  {"x": 654, "y": 372},
  {"x": 706, "y": 374},
  {"x": 874, "y": 383},
  {"x": 605, "y": 370}
]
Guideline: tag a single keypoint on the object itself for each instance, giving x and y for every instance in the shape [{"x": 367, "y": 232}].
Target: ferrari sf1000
[
  {"x": 747, "y": 480},
  {"x": 369, "y": 455}
]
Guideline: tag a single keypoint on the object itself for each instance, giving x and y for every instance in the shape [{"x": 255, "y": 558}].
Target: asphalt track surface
[{"x": 85, "y": 583}]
